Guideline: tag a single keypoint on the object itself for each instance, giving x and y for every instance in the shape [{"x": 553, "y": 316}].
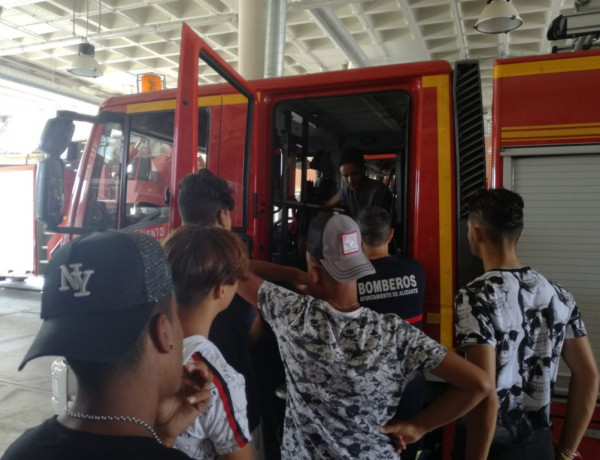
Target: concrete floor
[{"x": 25, "y": 397}]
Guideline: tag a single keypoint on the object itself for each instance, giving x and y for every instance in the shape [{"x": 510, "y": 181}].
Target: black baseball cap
[{"x": 99, "y": 292}]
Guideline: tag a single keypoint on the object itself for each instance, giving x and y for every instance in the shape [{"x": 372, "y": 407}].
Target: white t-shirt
[
  {"x": 526, "y": 318},
  {"x": 222, "y": 427},
  {"x": 345, "y": 373}
]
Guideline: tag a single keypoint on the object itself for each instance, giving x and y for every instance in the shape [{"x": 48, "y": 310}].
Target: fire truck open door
[{"x": 185, "y": 139}]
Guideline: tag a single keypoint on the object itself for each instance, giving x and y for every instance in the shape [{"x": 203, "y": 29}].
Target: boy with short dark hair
[
  {"x": 516, "y": 324},
  {"x": 206, "y": 264}
]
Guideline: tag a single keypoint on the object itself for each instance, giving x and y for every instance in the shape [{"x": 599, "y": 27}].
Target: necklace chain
[
  {"x": 114, "y": 418},
  {"x": 346, "y": 307}
]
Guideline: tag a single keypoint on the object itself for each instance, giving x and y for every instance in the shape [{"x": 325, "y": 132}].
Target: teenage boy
[
  {"x": 515, "y": 324},
  {"x": 346, "y": 366},
  {"x": 107, "y": 308},
  {"x": 206, "y": 264},
  {"x": 206, "y": 200}
]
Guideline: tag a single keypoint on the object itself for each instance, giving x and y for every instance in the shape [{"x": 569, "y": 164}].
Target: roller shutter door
[{"x": 562, "y": 229}]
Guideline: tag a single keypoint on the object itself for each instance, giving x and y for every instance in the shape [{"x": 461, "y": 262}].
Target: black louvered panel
[{"x": 469, "y": 135}]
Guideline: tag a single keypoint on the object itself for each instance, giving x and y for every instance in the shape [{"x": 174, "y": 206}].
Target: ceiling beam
[
  {"x": 121, "y": 33},
  {"x": 460, "y": 30}
]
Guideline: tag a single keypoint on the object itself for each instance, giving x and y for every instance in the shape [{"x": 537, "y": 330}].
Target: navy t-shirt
[
  {"x": 397, "y": 286},
  {"x": 229, "y": 332}
]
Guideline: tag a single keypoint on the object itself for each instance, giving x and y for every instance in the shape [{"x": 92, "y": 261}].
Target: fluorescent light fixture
[
  {"x": 498, "y": 16},
  {"x": 85, "y": 64}
]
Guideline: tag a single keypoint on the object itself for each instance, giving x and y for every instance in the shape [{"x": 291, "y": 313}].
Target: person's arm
[
  {"x": 332, "y": 202},
  {"x": 283, "y": 273},
  {"x": 245, "y": 453},
  {"x": 256, "y": 330},
  {"x": 275, "y": 272},
  {"x": 469, "y": 386},
  {"x": 481, "y": 421},
  {"x": 583, "y": 390},
  {"x": 248, "y": 288}
]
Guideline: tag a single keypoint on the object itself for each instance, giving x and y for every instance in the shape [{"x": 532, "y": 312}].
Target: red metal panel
[
  {"x": 424, "y": 205},
  {"x": 231, "y": 158}
]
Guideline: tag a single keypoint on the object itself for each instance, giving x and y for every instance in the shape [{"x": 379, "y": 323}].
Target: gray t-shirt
[
  {"x": 372, "y": 193},
  {"x": 345, "y": 373}
]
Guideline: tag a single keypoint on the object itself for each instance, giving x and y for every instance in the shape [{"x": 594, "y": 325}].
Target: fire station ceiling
[{"x": 38, "y": 39}]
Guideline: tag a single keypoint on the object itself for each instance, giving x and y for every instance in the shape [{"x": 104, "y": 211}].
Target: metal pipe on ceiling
[
  {"x": 41, "y": 83},
  {"x": 275, "y": 40},
  {"x": 340, "y": 35}
]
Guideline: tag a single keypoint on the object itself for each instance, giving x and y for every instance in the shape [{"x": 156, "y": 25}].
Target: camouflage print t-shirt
[
  {"x": 345, "y": 374},
  {"x": 526, "y": 318}
]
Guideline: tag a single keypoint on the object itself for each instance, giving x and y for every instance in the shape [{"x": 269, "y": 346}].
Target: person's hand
[
  {"x": 177, "y": 412},
  {"x": 401, "y": 433}
]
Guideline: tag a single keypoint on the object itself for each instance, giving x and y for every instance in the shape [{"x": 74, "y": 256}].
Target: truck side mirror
[
  {"x": 56, "y": 136},
  {"x": 49, "y": 191}
]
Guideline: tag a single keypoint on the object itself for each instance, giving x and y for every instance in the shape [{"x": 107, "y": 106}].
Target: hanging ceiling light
[
  {"x": 85, "y": 64},
  {"x": 498, "y": 16}
]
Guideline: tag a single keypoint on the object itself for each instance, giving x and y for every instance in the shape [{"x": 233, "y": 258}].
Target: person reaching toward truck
[{"x": 346, "y": 366}]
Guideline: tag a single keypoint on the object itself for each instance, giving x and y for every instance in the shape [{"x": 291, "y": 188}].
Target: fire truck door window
[
  {"x": 148, "y": 175},
  {"x": 104, "y": 183},
  {"x": 310, "y": 135}
]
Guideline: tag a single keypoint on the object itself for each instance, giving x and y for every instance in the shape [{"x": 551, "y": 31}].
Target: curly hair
[
  {"x": 202, "y": 196},
  {"x": 499, "y": 212}
]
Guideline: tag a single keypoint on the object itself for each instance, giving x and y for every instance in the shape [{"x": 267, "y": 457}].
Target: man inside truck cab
[
  {"x": 515, "y": 324},
  {"x": 358, "y": 190}
]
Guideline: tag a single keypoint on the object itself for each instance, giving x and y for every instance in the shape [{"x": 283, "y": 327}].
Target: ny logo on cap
[
  {"x": 350, "y": 243},
  {"x": 75, "y": 279}
]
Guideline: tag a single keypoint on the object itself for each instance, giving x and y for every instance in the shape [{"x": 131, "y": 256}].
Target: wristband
[{"x": 567, "y": 454}]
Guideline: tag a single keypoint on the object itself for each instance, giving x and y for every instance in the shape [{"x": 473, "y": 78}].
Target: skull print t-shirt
[
  {"x": 345, "y": 373},
  {"x": 526, "y": 318}
]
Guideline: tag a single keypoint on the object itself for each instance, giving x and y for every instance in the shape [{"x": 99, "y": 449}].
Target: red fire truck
[
  {"x": 277, "y": 141},
  {"x": 546, "y": 146}
]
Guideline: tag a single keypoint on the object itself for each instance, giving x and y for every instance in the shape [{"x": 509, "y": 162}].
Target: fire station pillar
[{"x": 251, "y": 39}]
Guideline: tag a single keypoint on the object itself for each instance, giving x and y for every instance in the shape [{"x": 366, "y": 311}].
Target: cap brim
[
  {"x": 90, "y": 337},
  {"x": 349, "y": 268}
]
